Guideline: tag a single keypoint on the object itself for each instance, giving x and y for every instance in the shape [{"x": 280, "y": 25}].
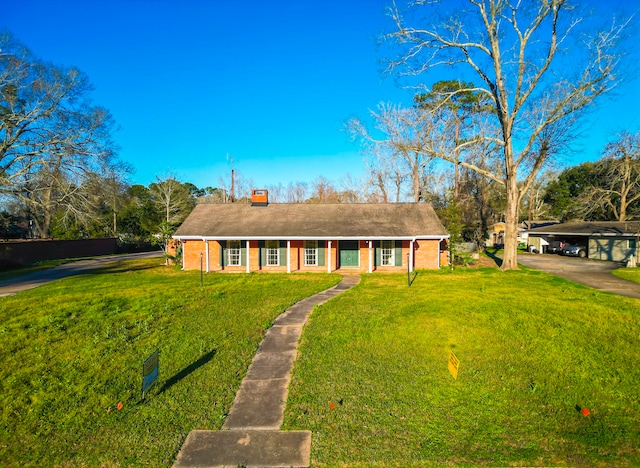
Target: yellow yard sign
[{"x": 454, "y": 362}]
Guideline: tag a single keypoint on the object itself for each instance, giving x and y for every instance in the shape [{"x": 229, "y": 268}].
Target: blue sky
[{"x": 269, "y": 83}]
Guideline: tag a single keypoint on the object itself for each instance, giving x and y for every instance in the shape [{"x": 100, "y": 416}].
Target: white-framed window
[
  {"x": 273, "y": 252},
  {"x": 387, "y": 253},
  {"x": 233, "y": 253},
  {"x": 311, "y": 253}
]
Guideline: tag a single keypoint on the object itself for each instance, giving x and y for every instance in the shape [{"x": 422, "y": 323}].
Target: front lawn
[
  {"x": 548, "y": 373},
  {"x": 631, "y": 274},
  {"x": 71, "y": 355}
]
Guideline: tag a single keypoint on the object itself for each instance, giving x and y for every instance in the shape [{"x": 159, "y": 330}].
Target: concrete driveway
[
  {"x": 33, "y": 280},
  {"x": 593, "y": 273}
]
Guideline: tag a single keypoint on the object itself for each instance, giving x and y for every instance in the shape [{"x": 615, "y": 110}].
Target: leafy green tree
[
  {"x": 452, "y": 219},
  {"x": 564, "y": 195},
  {"x": 139, "y": 217}
]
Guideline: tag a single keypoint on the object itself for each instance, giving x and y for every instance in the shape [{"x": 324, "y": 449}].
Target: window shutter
[
  {"x": 223, "y": 247},
  {"x": 398, "y": 252},
  {"x": 283, "y": 253},
  {"x": 320, "y": 253},
  {"x": 376, "y": 246},
  {"x": 243, "y": 253},
  {"x": 263, "y": 253}
]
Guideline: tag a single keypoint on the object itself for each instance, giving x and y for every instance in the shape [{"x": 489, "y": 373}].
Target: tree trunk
[
  {"x": 510, "y": 257},
  {"x": 415, "y": 179}
]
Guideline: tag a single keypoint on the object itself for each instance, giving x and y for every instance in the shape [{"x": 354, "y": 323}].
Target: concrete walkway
[
  {"x": 33, "y": 280},
  {"x": 251, "y": 435}
]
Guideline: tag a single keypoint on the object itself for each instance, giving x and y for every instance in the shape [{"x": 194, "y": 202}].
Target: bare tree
[
  {"x": 536, "y": 208},
  {"x": 296, "y": 192},
  {"x": 385, "y": 175},
  {"x": 276, "y": 193},
  {"x": 539, "y": 64},
  {"x": 352, "y": 189},
  {"x": 617, "y": 187},
  {"x": 52, "y": 139},
  {"x": 405, "y": 151},
  {"x": 236, "y": 188},
  {"x": 323, "y": 191},
  {"x": 172, "y": 198}
]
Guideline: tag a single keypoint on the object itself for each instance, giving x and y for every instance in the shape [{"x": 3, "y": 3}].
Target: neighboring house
[
  {"x": 312, "y": 237},
  {"x": 496, "y": 236},
  {"x": 605, "y": 240}
]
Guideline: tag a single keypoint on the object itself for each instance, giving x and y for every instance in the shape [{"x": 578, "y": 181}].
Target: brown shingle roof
[
  {"x": 311, "y": 221},
  {"x": 592, "y": 228}
]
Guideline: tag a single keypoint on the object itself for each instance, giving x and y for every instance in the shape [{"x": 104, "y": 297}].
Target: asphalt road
[
  {"x": 593, "y": 273},
  {"x": 33, "y": 280}
]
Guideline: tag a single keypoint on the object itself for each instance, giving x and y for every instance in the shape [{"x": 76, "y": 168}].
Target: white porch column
[
  {"x": 184, "y": 245},
  {"x": 248, "y": 258},
  {"x": 288, "y": 256},
  {"x": 370, "y": 256},
  {"x": 329, "y": 257},
  {"x": 411, "y": 256},
  {"x": 206, "y": 248}
]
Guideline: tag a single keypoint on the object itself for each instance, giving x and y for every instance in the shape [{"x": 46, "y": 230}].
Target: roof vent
[{"x": 259, "y": 197}]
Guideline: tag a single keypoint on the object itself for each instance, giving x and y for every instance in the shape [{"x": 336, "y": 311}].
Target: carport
[{"x": 605, "y": 240}]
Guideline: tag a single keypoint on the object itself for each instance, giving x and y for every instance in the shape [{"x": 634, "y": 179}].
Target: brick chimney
[{"x": 259, "y": 197}]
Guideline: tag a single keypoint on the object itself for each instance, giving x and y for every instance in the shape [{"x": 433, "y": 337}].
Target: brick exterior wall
[
  {"x": 428, "y": 253},
  {"x": 426, "y": 256}
]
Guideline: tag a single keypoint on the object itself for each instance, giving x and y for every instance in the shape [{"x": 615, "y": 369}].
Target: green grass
[
  {"x": 631, "y": 274},
  {"x": 372, "y": 383},
  {"x": 72, "y": 350}
]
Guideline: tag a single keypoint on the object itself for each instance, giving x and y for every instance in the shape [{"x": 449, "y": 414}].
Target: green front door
[{"x": 349, "y": 253}]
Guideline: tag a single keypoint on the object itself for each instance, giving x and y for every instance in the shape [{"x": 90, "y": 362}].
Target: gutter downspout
[
  {"x": 206, "y": 248},
  {"x": 411, "y": 255},
  {"x": 248, "y": 258}
]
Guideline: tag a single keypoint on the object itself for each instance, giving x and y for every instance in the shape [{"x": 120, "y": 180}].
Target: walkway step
[
  {"x": 245, "y": 448},
  {"x": 259, "y": 405}
]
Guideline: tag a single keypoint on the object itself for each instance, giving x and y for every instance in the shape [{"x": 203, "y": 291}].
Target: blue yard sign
[{"x": 150, "y": 371}]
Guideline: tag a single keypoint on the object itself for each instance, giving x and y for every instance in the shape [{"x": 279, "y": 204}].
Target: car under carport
[{"x": 615, "y": 241}]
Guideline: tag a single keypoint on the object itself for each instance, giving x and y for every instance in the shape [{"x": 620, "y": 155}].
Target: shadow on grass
[
  {"x": 187, "y": 370},
  {"x": 118, "y": 267},
  {"x": 412, "y": 277},
  {"x": 493, "y": 255}
]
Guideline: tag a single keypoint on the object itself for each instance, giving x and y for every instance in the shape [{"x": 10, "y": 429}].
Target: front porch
[{"x": 316, "y": 255}]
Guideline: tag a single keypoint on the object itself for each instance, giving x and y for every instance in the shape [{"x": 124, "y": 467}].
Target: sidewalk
[
  {"x": 38, "y": 278},
  {"x": 251, "y": 434}
]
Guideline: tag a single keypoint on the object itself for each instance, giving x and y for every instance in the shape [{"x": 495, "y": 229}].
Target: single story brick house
[
  {"x": 604, "y": 240},
  {"x": 309, "y": 237}
]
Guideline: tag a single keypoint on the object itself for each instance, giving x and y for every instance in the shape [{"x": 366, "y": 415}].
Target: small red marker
[
  {"x": 585, "y": 412},
  {"x": 120, "y": 405},
  {"x": 331, "y": 405}
]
